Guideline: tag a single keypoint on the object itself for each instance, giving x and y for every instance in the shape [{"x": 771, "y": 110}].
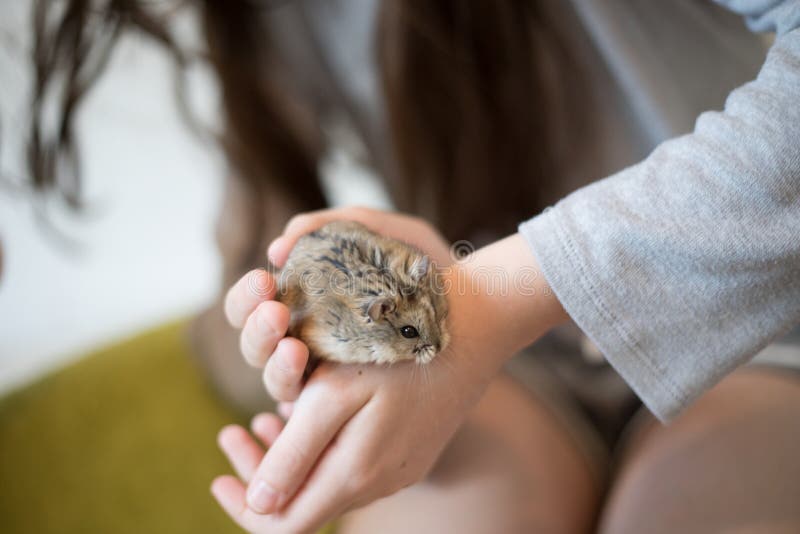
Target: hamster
[{"x": 358, "y": 297}]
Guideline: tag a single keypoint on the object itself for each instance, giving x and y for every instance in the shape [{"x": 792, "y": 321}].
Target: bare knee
[{"x": 729, "y": 463}]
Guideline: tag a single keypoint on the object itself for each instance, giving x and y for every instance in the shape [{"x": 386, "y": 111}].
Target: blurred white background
[{"x": 147, "y": 253}]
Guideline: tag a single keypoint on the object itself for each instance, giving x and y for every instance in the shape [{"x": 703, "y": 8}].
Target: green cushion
[{"x": 121, "y": 441}]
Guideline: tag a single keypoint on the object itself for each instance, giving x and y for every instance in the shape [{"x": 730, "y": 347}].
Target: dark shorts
[{"x": 593, "y": 403}]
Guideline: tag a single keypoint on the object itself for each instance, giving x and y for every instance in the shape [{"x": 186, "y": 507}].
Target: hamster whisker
[
  {"x": 421, "y": 381},
  {"x": 427, "y": 384},
  {"x": 412, "y": 382},
  {"x": 429, "y": 392}
]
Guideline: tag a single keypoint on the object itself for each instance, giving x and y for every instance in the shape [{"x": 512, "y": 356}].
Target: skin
[
  {"x": 727, "y": 464},
  {"x": 357, "y": 433},
  {"x": 361, "y": 432}
]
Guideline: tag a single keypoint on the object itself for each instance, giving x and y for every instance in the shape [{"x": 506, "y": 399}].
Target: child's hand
[
  {"x": 357, "y": 433},
  {"x": 249, "y": 304},
  {"x": 361, "y": 432}
]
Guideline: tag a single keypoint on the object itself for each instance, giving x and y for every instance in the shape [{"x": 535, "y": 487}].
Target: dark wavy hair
[{"x": 469, "y": 99}]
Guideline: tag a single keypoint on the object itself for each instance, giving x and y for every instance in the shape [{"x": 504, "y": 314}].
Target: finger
[
  {"x": 316, "y": 419},
  {"x": 285, "y": 409},
  {"x": 299, "y": 225},
  {"x": 278, "y": 251},
  {"x": 305, "y": 223},
  {"x": 265, "y": 327},
  {"x": 230, "y": 493},
  {"x": 283, "y": 374},
  {"x": 308, "y": 222},
  {"x": 395, "y": 225},
  {"x": 242, "y": 451},
  {"x": 266, "y": 427},
  {"x": 251, "y": 289},
  {"x": 327, "y": 493}
]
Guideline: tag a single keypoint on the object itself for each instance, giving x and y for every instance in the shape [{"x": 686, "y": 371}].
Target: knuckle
[
  {"x": 332, "y": 375},
  {"x": 333, "y": 385},
  {"x": 265, "y": 315},
  {"x": 331, "y": 391},
  {"x": 272, "y": 320},
  {"x": 361, "y": 479}
]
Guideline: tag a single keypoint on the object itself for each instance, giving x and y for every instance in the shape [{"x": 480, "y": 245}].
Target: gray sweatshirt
[{"x": 682, "y": 267}]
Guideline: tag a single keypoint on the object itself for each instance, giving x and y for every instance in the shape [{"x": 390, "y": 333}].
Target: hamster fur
[{"x": 358, "y": 297}]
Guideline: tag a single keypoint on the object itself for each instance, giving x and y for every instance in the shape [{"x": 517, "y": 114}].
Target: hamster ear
[
  {"x": 419, "y": 268},
  {"x": 379, "y": 307}
]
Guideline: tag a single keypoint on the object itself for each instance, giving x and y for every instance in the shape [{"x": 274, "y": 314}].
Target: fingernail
[{"x": 261, "y": 497}]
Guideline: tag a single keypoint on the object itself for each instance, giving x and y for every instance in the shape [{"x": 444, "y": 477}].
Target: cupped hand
[
  {"x": 249, "y": 304},
  {"x": 356, "y": 432}
]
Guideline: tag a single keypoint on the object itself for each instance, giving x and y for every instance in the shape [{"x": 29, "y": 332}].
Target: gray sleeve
[{"x": 682, "y": 267}]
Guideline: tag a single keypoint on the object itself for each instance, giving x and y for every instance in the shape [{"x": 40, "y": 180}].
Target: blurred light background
[{"x": 145, "y": 252}]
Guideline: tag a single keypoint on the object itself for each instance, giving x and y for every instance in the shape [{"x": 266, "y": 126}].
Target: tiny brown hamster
[{"x": 358, "y": 297}]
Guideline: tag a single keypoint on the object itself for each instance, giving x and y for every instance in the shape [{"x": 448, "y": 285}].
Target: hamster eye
[{"x": 408, "y": 331}]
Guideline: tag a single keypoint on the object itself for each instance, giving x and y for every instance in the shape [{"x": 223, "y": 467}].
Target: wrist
[{"x": 500, "y": 301}]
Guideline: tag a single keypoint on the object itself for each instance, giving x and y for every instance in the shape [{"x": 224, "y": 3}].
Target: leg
[
  {"x": 511, "y": 469},
  {"x": 730, "y": 463}
]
